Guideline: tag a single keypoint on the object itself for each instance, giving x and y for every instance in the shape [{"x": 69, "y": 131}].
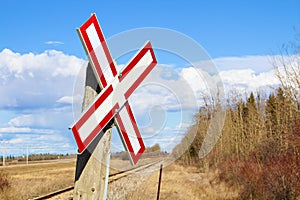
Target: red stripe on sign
[
  {"x": 135, "y": 157},
  {"x": 99, "y": 127},
  {"x": 139, "y": 80},
  {"x": 124, "y": 135},
  {"x": 136, "y": 59},
  {"x": 104, "y": 45},
  {"x": 83, "y": 28},
  {"x": 89, "y": 48},
  {"x": 87, "y": 114},
  {"x": 77, "y": 138},
  {"x": 91, "y": 52},
  {"x": 94, "y": 106},
  {"x": 98, "y": 69}
]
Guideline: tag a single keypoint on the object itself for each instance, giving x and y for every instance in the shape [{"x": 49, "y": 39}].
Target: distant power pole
[
  {"x": 27, "y": 154},
  {"x": 4, "y": 152}
]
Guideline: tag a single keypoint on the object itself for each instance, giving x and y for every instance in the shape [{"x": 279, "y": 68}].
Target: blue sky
[
  {"x": 39, "y": 39},
  {"x": 224, "y": 28}
]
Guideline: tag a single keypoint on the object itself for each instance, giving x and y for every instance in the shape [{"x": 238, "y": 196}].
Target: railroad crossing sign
[{"x": 116, "y": 88}]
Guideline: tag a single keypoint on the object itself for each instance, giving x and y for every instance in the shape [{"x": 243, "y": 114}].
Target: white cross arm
[
  {"x": 95, "y": 46},
  {"x": 110, "y": 102}
]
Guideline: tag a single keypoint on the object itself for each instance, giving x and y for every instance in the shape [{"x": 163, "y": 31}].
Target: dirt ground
[{"x": 180, "y": 182}]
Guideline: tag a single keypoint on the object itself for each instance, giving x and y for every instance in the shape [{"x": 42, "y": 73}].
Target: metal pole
[
  {"x": 107, "y": 175},
  {"x": 159, "y": 181}
]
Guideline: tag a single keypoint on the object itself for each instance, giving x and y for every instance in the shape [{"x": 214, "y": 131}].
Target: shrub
[
  {"x": 268, "y": 173},
  {"x": 124, "y": 155},
  {"x": 4, "y": 181}
]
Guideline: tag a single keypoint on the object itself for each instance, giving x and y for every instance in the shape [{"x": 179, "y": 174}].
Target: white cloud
[
  {"x": 20, "y": 143},
  {"x": 248, "y": 79},
  {"x": 39, "y": 89},
  {"x": 245, "y": 73},
  {"x": 65, "y": 99},
  {"x": 22, "y": 120},
  {"x": 179, "y": 89},
  {"x": 76, "y": 98},
  {"x": 182, "y": 91},
  {"x": 13, "y": 129},
  {"x": 257, "y": 63},
  {"x": 50, "y": 62},
  {"x": 36, "y": 80},
  {"x": 16, "y": 141},
  {"x": 33, "y": 75},
  {"x": 172, "y": 93},
  {"x": 54, "y": 42}
]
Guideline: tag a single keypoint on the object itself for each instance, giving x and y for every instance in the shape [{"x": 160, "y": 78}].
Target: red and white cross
[{"x": 116, "y": 88}]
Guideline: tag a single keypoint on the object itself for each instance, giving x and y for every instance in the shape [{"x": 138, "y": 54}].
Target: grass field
[
  {"x": 178, "y": 182},
  {"x": 40, "y": 178}
]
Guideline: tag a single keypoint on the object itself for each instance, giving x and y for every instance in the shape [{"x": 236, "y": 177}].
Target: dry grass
[
  {"x": 27, "y": 182},
  {"x": 37, "y": 179},
  {"x": 180, "y": 182}
]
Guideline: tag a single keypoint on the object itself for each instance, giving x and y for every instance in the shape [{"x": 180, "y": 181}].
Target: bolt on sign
[{"x": 116, "y": 88}]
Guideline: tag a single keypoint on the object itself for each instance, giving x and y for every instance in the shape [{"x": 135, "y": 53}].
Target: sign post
[
  {"x": 90, "y": 177},
  {"x": 110, "y": 107}
]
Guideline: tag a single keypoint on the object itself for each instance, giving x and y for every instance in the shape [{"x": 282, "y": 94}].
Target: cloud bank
[
  {"x": 36, "y": 89},
  {"x": 37, "y": 94}
]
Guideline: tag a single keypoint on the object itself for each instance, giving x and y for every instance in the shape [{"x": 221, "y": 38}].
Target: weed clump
[{"x": 4, "y": 181}]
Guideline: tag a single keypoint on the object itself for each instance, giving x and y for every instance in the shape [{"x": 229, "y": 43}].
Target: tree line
[{"x": 259, "y": 149}]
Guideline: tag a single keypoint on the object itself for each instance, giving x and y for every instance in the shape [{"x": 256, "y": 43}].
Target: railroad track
[{"x": 112, "y": 178}]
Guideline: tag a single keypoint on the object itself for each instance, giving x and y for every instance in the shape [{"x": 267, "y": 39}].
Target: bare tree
[{"x": 287, "y": 69}]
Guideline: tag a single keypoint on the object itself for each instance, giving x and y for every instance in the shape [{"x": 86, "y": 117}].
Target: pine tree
[{"x": 271, "y": 115}]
